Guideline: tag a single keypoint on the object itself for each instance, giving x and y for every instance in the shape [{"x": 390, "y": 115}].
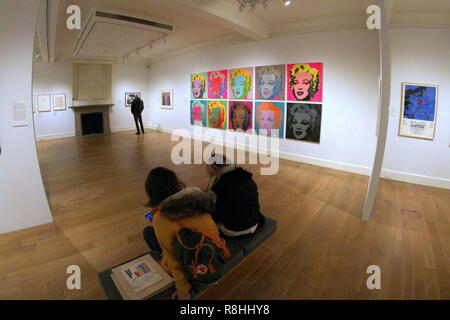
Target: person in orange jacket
[{"x": 174, "y": 207}]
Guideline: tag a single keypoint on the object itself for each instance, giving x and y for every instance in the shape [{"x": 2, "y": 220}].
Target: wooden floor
[{"x": 320, "y": 251}]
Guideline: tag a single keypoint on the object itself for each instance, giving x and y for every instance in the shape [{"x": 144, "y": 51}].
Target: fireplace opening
[{"x": 92, "y": 123}]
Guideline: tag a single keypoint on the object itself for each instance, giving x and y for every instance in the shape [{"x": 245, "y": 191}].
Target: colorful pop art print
[
  {"x": 303, "y": 121},
  {"x": 217, "y": 114},
  {"x": 240, "y": 115},
  {"x": 304, "y": 82},
  {"x": 198, "y": 113},
  {"x": 240, "y": 83},
  {"x": 418, "y": 110},
  {"x": 270, "y": 82},
  {"x": 269, "y": 116},
  {"x": 217, "y": 84},
  {"x": 199, "y": 85}
]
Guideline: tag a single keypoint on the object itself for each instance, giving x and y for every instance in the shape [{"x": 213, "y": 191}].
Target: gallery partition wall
[{"x": 23, "y": 202}]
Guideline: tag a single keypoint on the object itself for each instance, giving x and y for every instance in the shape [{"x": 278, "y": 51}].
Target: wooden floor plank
[{"x": 321, "y": 250}]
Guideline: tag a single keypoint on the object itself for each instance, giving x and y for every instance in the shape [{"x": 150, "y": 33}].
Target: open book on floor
[{"x": 141, "y": 278}]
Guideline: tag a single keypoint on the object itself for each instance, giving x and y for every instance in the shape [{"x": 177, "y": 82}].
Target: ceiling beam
[
  {"x": 226, "y": 13},
  {"x": 41, "y": 30},
  {"x": 53, "y": 13},
  {"x": 47, "y": 26},
  {"x": 389, "y": 11}
]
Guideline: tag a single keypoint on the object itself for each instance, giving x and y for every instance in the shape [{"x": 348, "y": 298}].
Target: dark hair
[
  {"x": 161, "y": 183},
  {"x": 218, "y": 161}
]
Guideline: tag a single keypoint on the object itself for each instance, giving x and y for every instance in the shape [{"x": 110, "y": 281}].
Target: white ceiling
[
  {"x": 115, "y": 40},
  {"x": 197, "y": 22}
]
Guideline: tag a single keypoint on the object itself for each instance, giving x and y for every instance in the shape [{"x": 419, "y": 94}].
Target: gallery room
[{"x": 225, "y": 149}]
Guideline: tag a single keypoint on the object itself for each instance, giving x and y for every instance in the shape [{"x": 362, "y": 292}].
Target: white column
[
  {"x": 23, "y": 202},
  {"x": 385, "y": 94}
]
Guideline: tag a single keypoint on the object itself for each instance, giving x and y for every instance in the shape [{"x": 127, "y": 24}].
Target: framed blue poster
[{"x": 418, "y": 110}]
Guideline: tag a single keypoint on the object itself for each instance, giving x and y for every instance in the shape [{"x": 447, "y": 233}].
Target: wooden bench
[{"x": 239, "y": 248}]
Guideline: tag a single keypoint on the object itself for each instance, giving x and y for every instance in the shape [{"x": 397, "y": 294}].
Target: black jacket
[
  {"x": 237, "y": 203},
  {"x": 137, "y": 106}
]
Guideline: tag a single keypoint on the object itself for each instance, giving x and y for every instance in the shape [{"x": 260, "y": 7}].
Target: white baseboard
[
  {"x": 348, "y": 167},
  {"x": 118, "y": 129},
  {"x": 72, "y": 134},
  {"x": 416, "y": 178},
  {"x": 55, "y": 136}
]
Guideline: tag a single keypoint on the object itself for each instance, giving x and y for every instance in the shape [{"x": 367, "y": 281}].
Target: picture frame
[
  {"x": 59, "y": 102},
  {"x": 166, "y": 99},
  {"x": 418, "y": 110},
  {"x": 34, "y": 103},
  {"x": 129, "y": 97},
  {"x": 43, "y": 103}
]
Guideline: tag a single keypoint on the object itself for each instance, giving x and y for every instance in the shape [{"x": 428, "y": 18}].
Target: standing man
[{"x": 137, "y": 106}]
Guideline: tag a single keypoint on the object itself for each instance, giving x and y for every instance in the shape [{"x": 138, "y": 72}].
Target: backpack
[{"x": 201, "y": 255}]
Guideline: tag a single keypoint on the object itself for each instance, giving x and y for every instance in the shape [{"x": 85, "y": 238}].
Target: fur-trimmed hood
[{"x": 187, "y": 203}]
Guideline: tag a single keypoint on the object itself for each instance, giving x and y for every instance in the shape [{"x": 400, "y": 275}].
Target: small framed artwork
[
  {"x": 34, "y": 103},
  {"x": 240, "y": 83},
  {"x": 199, "y": 85},
  {"x": 303, "y": 121},
  {"x": 129, "y": 97},
  {"x": 304, "y": 82},
  {"x": 217, "y": 114},
  {"x": 269, "y": 118},
  {"x": 43, "y": 103},
  {"x": 240, "y": 117},
  {"x": 166, "y": 98},
  {"x": 59, "y": 102},
  {"x": 198, "y": 113},
  {"x": 418, "y": 110}
]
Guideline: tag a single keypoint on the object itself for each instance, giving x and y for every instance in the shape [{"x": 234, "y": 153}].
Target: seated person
[
  {"x": 175, "y": 206},
  {"x": 237, "y": 204}
]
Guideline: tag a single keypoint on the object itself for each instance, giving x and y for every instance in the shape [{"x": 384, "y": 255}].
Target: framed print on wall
[
  {"x": 129, "y": 97},
  {"x": 418, "y": 110},
  {"x": 217, "y": 114},
  {"x": 217, "y": 84},
  {"x": 304, "y": 121},
  {"x": 240, "y": 116},
  {"x": 270, "y": 82},
  {"x": 269, "y": 116},
  {"x": 166, "y": 99},
  {"x": 304, "y": 82},
  {"x": 198, "y": 113},
  {"x": 199, "y": 85},
  {"x": 43, "y": 103},
  {"x": 59, "y": 102},
  {"x": 240, "y": 83},
  {"x": 34, "y": 103}
]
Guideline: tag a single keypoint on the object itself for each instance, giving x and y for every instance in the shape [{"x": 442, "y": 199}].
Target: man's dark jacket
[
  {"x": 137, "y": 106},
  {"x": 237, "y": 203}
]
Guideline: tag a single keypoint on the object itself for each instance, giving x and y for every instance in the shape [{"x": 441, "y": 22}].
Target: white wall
[
  {"x": 128, "y": 78},
  {"x": 351, "y": 69},
  {"x": 22, "y": 197},
  {"x": 350, "y": 63},
  {"x": 57, "y": 78},
  {"x": 52, "y": 79},
  {"x": 420, "y": 56}
]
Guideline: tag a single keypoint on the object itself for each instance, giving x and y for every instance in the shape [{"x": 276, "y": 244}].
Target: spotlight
[{"x": 287, "y": 2}]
